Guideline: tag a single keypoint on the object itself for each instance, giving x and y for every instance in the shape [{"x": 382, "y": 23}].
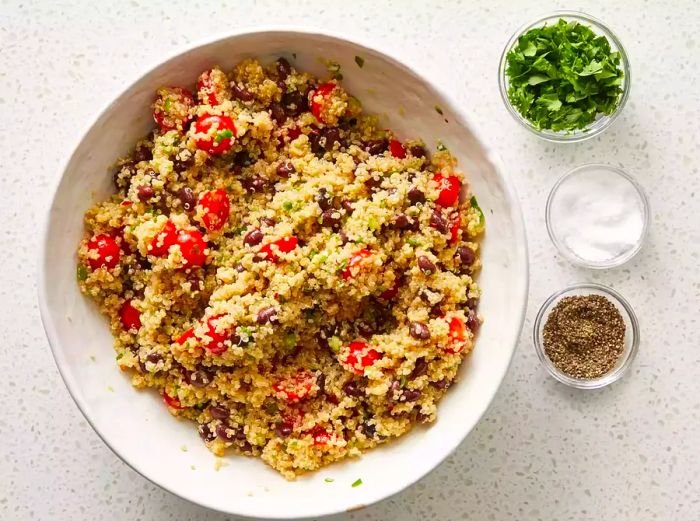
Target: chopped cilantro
[
  {"x": 474, "y": 204},
  {"x": 119, "y": 356},
  {"x": 438, "y": 109},
  {"x": 562, "y": 76},
  {"x": 168, "y": 103},
  {"x": 334, "y": 69},
  {"x": 360, "y": 61},
  {"x": 335, "y": 343},
  {"x": 290, "y": 340},
  {"x": 288, "y": 206},
  {"x": 223, "y": 134},
  {"x": 344, "y": 263},
  {"x": 357, "y": 483},
  {"x": 82, "y": 272},
  {"x": 329, "y": 480},
  {"x": 441, "y": 147},
  {"x": 372, "y": 223},
  {"x": 403, "y": 380},
  {"x": 411, "y": 241}
]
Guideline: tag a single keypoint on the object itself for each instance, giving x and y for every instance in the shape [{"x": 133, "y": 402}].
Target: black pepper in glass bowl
[{"x": 586, "y": 336}]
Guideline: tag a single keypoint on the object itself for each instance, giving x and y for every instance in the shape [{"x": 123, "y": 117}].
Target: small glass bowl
[
  {"x": 631, "y": 335},
  {"x": 602, "y": 121},
  {"x": 560, "y": 243}
]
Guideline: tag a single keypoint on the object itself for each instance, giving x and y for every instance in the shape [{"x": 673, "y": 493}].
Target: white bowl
[{"x": 136, "y": 425}]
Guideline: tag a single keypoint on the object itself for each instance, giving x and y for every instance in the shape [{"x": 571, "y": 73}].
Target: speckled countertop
[{"x": 543, "y": 451}]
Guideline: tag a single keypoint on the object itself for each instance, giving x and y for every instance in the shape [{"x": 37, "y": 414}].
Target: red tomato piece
[
  {"x": 297, "y": 387},
  {"x": 293, "y": 133},
  {"x": 104, "y": 252},
  {"x": 126, "y": 202},
  {"x": 211, "y": 87},
  {"x": 391, "y": 293},
  {"x": 320, "y": 435},
  {"x": 215, "y": 341},
  {"x": 172, "y": 401},
  {"x": 284, "y": 245},
  {"x": 353, "y": 265},
  {"x": 192, "y": 246},
  {"x": 130, "y": 316},
  {"x": 455, "y": 225},
  {"x": 449, "y": 187},
  {"x": 214, "y": 134},
  {"x": 164, "y": 239},
  {"x": 216, "y": 206},
  {"x": 457, "y": 334},
  {"x": 171, "y": 109},
  {"x": 360, "y": 356},
  {"x": 323, "y": 91},
  {"x": 397, "y": 149},
  {"x": 184, "y": 337}
]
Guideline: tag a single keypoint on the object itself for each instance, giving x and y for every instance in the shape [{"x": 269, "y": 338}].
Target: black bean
[
  {"x": 436, "y": 311},
  {"x": 246, "y": 447},
  {"x": 472, "y": 303},
  {"x": 465, "y": 255},
  {"x": 322, "y": 198},
  {"x": 143, "y": 262},
  {"x": 352, "y": 389},
  {"x": 417, "y": 151},
  {"x": 242, "y": 158},
  {"x": 442, "y": 384},
  {"x": 420, "y": 368},
  {"x": 281, "y": 85},
  {"x": 154, "y": 358},
  {"x": 267, "y": 221},
  {"x": 415, "y": 224},
  {"x": 284, "y": 429},
  {"x": 226, "y": 432},
  {"x": 347, "y": 206},
  {"x": 122, "y": 177},
  {"x": 426, "y": 265},
  {"x": 283, "y": 68},
  {"x": 285, "y": 169},
  {"x": 266, "y": 315},
  {"x": 374, "y": 181},
  {"x": 241, "y": 93},
  {"x": 321, "y": 382},
  {"x": 187, "y": 198},
  {"x": 144, "y": 192},
  {"x": 473, "y": 322},
  {"x": 411, "y": 395},
  {"x": 343, "y": 237},
  {"x": 142, "y": 153},
  {"x": 419, "y": 331},
  {"x": 401, "y": 222},
  {"x": 415, "y": 195},
  {"x": 330, "y": 218},
  {"x": 422, "y": 418},
  {"x": 219, "y": 412},
  {"x": 439, "y": 221},
  {"x": 277, "y": 113},
  {"x": 196, "y": 283},
  {"x": 376, "y": 146},
  {"x": 240, "y": 268},
  {"x": 255, "y": 184},
  {"x": 182, "y": 161},
  {"x": 331, "y": 136},
  {"x": 206, "y": 433},
  {"x": 293, "y": 103},
  {"x": 316, "y": 143},
  {"x": 369, "y": 429},
  {"x": 200, "y": 378},
  {"x": 253, "y": 237}
]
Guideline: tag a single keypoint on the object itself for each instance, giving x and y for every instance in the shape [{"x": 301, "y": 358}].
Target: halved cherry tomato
[
  {"x": 192, "y": 246},
  {"x": 320, "y": 435},
  {"x": 397, "y": 149},
  {"x": 323, "y": 91},
  {"x": 172, "y": 401},
  {"x": 297, "y": 387},
  {"x": 219, "y": 130},
  {"x": 130, "y": 316},
  {"x": 359, "y": 356},
  {"x": 172, "y": 107},
  {"x": 184, "y": 337},
  {"x": 215, "y": 342},
  {"x": 284, "y": 245},
  {"x": 164, "y": 239},
  {"x": 449, "y": 186},
  {"x": 216, "y": 207},
  {"x": 212, "y": 86},
  {"x": 353, "y": 265},
  {"x": 457, "y": 334},
  {"x": 455, "y": 225},
  {"x": 104, "y": 252}
]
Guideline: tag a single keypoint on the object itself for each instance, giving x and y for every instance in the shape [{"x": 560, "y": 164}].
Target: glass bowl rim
[
  {"x": 627, "y": 356},
  {"x": 618, "y": 261},
  {"x": 579, "y": 134}
]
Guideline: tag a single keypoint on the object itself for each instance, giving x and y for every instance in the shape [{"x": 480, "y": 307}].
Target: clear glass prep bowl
[{"x": 603, "y": 121}]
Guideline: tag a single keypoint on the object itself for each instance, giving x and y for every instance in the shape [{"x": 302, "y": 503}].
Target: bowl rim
[
  {"x": 566, "y": 252},
  {"x": 519, "y": 233},
  {"x": 627, "y": 357},
  {"x": 580, "y": 134}
]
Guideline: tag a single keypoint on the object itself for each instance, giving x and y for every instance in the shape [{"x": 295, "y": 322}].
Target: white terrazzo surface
[{"x": 543, "y": 451}]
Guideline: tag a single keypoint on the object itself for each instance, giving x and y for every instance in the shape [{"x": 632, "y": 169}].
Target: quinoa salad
[{"x": 287, "y": 274}]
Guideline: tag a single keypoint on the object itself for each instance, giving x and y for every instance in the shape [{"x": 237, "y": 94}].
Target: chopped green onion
[
  {"x": 223, "y": 134},
  {"x": 360, "y": 61},
  {"x": 357, "y": 483},
  {"x": 168, "y": 103},
  {"x": 329, "y": 480},
  {"x": 411, "y": 241},
  {"x": 287, "y": 206},
  {"x": 119, "y": 356},
  {"x": 335, "y": 343},
  {"x": 82, "y": 272}
]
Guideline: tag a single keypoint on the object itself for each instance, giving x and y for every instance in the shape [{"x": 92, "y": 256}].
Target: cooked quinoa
[{"x": 285, "y": 273}]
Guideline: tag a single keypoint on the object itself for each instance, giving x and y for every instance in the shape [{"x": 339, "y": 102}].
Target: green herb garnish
[
  {"x": 223, "y": 134},
  {"x": 357, "y": 483},
  {"x": 119, "y": 356},
  {"x": 168, "y": 103},
  {"x": 562, "y": 76},
  {"x": 81, "y": 272},
  {"x": 411, "y": 241},
  {"x": 403, "y": 380},
  {"x": 334, "y": 69},
  {"x": 287, "y": 206},
  {"x": 329, "y": 480},
  {"x": 438, "y": 109},
  {"x": 335, "y": 343},
  {"x": 372, "y": 223},
  {"x": 360, "y": 61},
  {"x": 290, "y": 341},
  {"x": 441, "y": 147},
  {"x": 474, "y": 204}
]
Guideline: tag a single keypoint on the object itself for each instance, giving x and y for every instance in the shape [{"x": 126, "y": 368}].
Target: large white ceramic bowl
[{"x": 137, "y": 426}]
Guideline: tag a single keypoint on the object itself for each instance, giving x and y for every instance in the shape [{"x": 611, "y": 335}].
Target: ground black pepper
[{"x": 584, "y": 336}]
